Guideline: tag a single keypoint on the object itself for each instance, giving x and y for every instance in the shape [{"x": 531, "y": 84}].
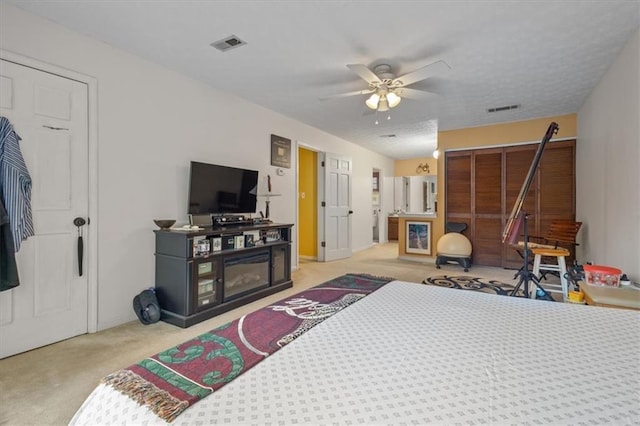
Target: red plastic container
[{"x": 602, "y": 275}]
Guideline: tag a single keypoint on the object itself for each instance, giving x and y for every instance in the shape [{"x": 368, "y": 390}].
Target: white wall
[
  {"x": 151, "y": 123},
  {"x": 608, "y": 175}
]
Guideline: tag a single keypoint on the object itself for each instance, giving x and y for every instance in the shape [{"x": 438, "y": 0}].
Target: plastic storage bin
[{"x": 602, "y": 275}]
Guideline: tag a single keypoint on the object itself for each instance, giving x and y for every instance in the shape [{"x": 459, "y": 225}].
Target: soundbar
[{"x": 231, "y": 220}]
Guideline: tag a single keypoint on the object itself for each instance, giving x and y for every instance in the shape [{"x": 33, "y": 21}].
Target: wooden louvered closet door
[
  {"x": 486, "y": 206},
  {"x": 482, "y": 185},
  {"x": 458, "y": 188}
]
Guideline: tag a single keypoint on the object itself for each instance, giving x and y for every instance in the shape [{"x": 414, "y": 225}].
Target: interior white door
[
  {"x": 337, "y": 211},
  {"x": 49, "y": 113}
]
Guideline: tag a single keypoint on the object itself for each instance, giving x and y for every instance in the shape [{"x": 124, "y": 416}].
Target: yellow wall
[
  {"x": 408, "y": 167},
  {"x": 307, "y": 203},
  {"x": 498, "y": 134},
  {"x": 504, "y": 134}
]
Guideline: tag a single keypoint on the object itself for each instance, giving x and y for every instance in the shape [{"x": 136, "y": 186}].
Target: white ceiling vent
[
  {"x": 228, "y": 43},
  {"x": 388, "y": 136},
  {"x": 503, "y": 108}
]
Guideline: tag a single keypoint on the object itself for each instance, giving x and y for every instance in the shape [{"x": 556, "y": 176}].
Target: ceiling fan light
[
  {"x": 373, "y": 100},
  {"x": 393, "y": 99},
  {"x": 383, "y": 105}
]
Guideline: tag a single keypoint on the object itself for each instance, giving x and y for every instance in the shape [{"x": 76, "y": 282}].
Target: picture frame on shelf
[
  {"x": 251, "y": 238},
  {"x": 418, "y": 237},
  {"x": 201, "y": 246}
]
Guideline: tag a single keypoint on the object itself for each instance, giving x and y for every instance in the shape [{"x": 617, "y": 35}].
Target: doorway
[
  {"x": 324, "y": 205},
  {"x": 307, "y": 204}
]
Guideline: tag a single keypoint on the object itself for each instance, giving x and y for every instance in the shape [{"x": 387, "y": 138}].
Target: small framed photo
[
  {"x": 201, "y": 246},
  {"x": 418, "y": 237},
  {"x": 239, "y": 241},
  {"x": 228, "y": 242},
  {"x": 280, "y": 151},
  {"x": 251, "y": 238}
]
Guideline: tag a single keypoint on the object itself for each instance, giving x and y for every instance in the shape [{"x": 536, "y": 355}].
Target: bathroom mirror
[{"x": 415, "y": 194}]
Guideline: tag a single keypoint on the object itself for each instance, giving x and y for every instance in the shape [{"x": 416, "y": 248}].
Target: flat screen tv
[{"x": 217, "y": 190}]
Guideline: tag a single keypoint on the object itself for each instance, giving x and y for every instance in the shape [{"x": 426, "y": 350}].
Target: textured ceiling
[{"x": 545, "y": 56}]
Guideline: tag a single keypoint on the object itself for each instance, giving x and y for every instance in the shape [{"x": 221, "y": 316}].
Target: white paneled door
[
  {"x": 337, "y": 211},
  {"x": 49, "y": 113}
]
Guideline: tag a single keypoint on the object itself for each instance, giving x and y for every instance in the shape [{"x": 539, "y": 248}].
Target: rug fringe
[{"x": 135, "y": 387}]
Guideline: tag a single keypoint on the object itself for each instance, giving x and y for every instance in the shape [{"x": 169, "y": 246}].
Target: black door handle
[
  {"x": 80, "y": 254},
  {"x": 79, "y": 222},
  {"x": 350, "y": 211}
]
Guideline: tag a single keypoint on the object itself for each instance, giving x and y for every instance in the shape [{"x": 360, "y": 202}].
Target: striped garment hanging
[{"x": 15, "y": 184}]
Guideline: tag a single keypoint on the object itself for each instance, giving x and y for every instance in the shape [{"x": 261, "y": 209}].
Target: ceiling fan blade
[
  {"x": 344, "y": 95},
  {"x": 422, "y": 73},
  {"x": 414, "y": 94},
  {"x": 365, "y": 73}
]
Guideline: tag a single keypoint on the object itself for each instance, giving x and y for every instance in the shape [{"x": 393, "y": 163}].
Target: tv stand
[{"x": 203, "y": 273}]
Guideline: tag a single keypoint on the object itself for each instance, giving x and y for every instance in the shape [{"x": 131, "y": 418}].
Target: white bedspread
[{"x": 415, "y": 354}]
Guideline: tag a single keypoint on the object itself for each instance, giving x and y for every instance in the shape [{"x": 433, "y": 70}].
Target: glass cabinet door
[
  {"x": 280, "y": 264},
  {"x": 207, "y": 277}
]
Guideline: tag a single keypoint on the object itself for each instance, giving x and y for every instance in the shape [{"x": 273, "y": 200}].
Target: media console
[{"x": 203, "y": 273}]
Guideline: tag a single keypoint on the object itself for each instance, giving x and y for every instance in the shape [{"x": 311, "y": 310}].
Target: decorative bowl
[{"x": 164, "y": 223}]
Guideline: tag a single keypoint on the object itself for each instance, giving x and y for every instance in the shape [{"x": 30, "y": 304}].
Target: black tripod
[{"x": 525, "y": 275}]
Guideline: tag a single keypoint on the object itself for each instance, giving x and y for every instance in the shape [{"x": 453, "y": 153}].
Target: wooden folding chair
[{"x": 561, "y": 234}]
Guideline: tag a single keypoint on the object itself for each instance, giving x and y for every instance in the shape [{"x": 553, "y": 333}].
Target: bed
[{"x": 409, "y": 353}]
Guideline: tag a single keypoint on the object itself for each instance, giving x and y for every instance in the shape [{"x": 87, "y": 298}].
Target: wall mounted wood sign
[{"x": 280, "y": 151}]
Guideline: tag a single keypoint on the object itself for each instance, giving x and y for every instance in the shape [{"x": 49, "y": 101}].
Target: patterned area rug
[
  {"x": 471, "y": 283},
  {"x": 172, "y": 380}
]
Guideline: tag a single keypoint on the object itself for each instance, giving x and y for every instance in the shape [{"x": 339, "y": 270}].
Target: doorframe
[
  {"x": 375, "y": 169},
  {"x": 92, "y": 136},
  {"x": 320, "y": 212}
]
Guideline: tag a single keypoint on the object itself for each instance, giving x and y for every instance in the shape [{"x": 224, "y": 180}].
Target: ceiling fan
[{"x": 386, "y": 89}]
